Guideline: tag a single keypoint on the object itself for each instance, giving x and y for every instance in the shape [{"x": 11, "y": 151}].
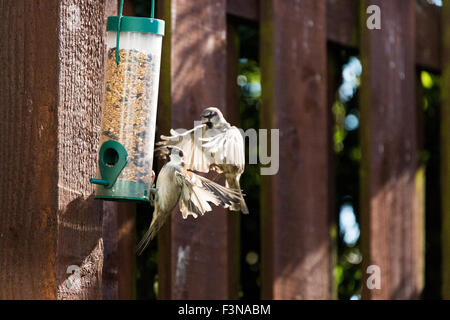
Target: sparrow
[
  {"x": 213, "y": 145},
  {"x": 177, "y": 185}
]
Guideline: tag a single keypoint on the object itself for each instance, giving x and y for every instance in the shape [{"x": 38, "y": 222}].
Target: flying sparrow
[
  {"x": 175, "y": 184},
  {"x": 213, "y": 145}
]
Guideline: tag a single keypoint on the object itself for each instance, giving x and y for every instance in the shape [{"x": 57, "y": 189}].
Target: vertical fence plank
[
  {"x": 342, "y": 22},
  {"x": 81, "y": 58},
  {"x": 28, "y": 220},
  {"x": 390, "y": 224},
  {"x": 445, "y": 150},
  {"x": 110, "y": 272},
  {"x": 428, "y": 35},
  {"x": 295, "y": 204},
  {"x": 194, "y": 79},
  {"x": 51, "y": 92},
  {"x": 419, "y": 221}
]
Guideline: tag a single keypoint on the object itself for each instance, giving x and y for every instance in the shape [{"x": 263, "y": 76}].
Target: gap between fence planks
[
  {"x": 445, "y": 151},
  {"x": 118, "y": 274},
  {"x": 343, "y": 26}
]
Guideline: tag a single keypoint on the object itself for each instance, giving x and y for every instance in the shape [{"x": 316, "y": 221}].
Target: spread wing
[
  {"x": 227, "y": 148},
  {"x": 189, "y": 142},
  {"x": 197, "y": 192}
]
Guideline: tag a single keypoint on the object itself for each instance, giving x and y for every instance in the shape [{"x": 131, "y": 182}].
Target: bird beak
[{"x": 205, "y": 120}]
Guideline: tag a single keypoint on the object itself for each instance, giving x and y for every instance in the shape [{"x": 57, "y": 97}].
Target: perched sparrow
[
  {"x": 213, "y": 145},
  {"x": 175, "y": 184}
]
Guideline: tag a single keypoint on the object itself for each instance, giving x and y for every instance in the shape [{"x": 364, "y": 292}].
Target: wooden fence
[{"x": 51, "y": 63}]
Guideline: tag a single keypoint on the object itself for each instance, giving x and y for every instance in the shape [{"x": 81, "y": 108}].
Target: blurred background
[
  {"x": 364, "y": 174},
  {"x": 346, "y": 153}
]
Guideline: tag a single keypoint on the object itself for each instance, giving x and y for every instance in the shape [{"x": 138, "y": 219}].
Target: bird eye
[{"x": 180, "y": 153}]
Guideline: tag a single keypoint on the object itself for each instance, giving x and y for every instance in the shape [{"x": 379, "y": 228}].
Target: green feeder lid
[{"x": 136, "y": 24}]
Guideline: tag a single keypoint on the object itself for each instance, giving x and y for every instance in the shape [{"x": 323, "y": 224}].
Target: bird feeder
[{"x": 127, "y": 136}]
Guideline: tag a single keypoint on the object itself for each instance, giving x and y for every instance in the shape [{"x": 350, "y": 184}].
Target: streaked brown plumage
[
  {"x": 213, "y": 145},
  {"x": 175, "y": 184}
]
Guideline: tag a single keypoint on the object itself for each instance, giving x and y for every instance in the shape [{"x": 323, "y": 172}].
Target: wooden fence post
[
  {"x": 445, "y": 150},
  {"x": 390, "y": 220},
  {"x": 296, "y": 245},
  {"x": 193, "y": 77},
  {"x": 333, "y": 78},
  {"x": 51, "y": 92}
]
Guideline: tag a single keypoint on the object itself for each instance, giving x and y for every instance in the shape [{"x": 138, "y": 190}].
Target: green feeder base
[{"x": 123, "y": 191}]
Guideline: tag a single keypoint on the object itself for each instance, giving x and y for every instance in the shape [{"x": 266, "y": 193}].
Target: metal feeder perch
[{"x": 129, "y": 114}]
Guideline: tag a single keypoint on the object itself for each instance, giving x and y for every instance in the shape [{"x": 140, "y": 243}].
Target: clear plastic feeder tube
[{"x": 129, "y": 113}]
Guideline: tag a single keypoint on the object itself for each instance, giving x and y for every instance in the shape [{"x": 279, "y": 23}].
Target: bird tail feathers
[
  {"x": 232, "y": 182},
  {"x": 155, "y": 226}
]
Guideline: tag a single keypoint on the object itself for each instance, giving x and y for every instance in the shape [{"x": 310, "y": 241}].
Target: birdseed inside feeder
[{"x": 129, "y": 113}]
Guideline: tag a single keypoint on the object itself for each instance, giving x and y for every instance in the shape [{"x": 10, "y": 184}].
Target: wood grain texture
[
  {"x": 247, "y": 9},
  {"x": 80, "y": 91},
  {"x": 233, "y": 116},
  {"x": 28, "y": 135},
  {"x": 342, "y": 22},
  {"x": 428, "y": 36},
  {"x": 194, "y": 77},
  {"x": 295, "y": 203},
  {"x": 51, "y": 92},
  {"x": 445, "y": 151},
  {"x": 389, "y": 215},
  {"x": 118, "y": 274},
  {"x": 333, "y": 82},
  {"x": 343, "y": 26}
]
